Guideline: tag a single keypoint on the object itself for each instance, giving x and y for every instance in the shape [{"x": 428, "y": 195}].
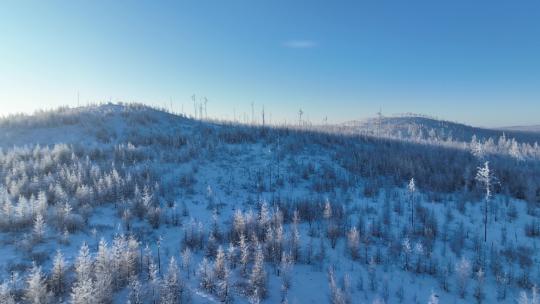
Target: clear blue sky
[{"x": 473, "y": 61}]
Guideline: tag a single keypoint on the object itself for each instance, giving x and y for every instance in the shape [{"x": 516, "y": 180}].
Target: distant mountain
[
  {"x": 533, "y": 128},
  {"x": 413, "y": 126}
]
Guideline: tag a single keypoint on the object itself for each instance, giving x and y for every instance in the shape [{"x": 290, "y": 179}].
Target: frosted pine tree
[
  {"x": 186, "y": 261},
  {"x": 58, "y": 274},
  {"x": 463, "y": 272},
  {"x": 39, "y": 228},
  {"x": 353, "y": 242},
  {"x": 244, "y": 254},
  {"x": 295, "y": 237},
  {"x": 239, "y": 224},
  {"x": 220, "y": 264},
  {"x": 231, "y": 256},
  {"x": 206, "y": 276},
  {"x": 36, "y": 290},
  {"x": 134, "y": 287},
  {"x": 224, "y": 287},
  {"x": 270, "y": 244},
  {"x": 263, "y": 220},
  {"x": 278, "y": 239},
  {"x": 102, "y": 269},
  {"x": 171, "y": 289},
  {"x": 257, "y": 279},
  {"x": 83, "y": 291},
  {"x": 6, "y": 297},
  {"x": 407, "y": 249},
  {"x": 211, "y": 246},
  {"x": 485, "y": 177},
  {"x": 116, "y": 252},
  {"x": 327, "y": 213},
  {"x": 337, "y": 295},
  {"x": 332, "y": 231},
  {"x": 65, "y": 237},
  {"x": 285, "y": 267},
  {"x": 479, "y": 290},
  {"x": 131, "y": 258},
  {"x": 411, "y": 187},
  {"x": 153, "y": 281},
  {"x": 41, "y": 203}
]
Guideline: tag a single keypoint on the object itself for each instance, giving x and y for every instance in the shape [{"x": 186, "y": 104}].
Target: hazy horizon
[{"x": 245, "y": 117}]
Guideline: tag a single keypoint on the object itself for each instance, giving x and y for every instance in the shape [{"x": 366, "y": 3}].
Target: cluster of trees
[
  {"x": 420, "y": 129},
  {"x": 244, "y": 251},
  {"x": 58, "y": 187},
  {"x": 94, "y": 278}
]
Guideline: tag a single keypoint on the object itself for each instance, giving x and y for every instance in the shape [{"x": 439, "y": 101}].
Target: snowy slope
[
  {"x": 412, "y": 126},
  {"x": 140, "y": 177}
]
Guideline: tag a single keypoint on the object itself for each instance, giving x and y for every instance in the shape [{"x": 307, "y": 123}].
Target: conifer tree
[
  {"x": 36, "y": 290},
  {"x": 486, "y": 178},
  {"x": 172, "y": 286},
  {"x": 83, "y": 291},
  {"x": 257, "y": 279},
  {"x": 58, "y": 274},
  {"x": 103, "y": 275}
]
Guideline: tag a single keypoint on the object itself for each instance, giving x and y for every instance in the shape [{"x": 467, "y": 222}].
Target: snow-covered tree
[
  {"x": 224, "y": 288},
  {"x": 171, "y": 290},
  {"x": 295, "y": 237},
  {"x": 479, "y": 290},
  {"x": 239, "y": 224},
  {"x": 463, "y": 272},
  {"x": 244, "y": 254},
  {"x": 257, "y": 279},
  {"x": 83, "y": 291},
  {"x": 353, "y": 242},
  {"x": 134, "y": 295},
  {"x": 103, "y": 275},
  {"x": 263, "y": 220},
  {"x": 6, "y": 297},
  {"x": 154, "y": 281},
  {"x": 36, "y": 289},
  {"x": 285, "y": 267},
  {"x": 39, "y": 227},
  {"x": 486, "y": 178},
  {"x": 206, "y": 276},
  {"x": 220, "y": 264},
  {"x": 186, "y": 261},
  {"x": 58, "y": 274},
  {"x": 407, "y": 249},
  {"x": 411, "y": 187},
  {"x": 327, "y": 213},
  {"x": 337, "y": 294}
]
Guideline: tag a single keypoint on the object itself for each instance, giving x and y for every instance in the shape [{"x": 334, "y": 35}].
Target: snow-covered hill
[
  {"x": 413, "y": 126},
  {"x": 123, "y": 202},
  {"x": 534, "y": 128},
  {"x": 107, "y": 123}
]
